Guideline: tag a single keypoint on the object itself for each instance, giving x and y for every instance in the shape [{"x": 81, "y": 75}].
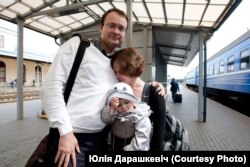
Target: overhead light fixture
[
  {"x": 61, "y": 11},
  {"x": 66, "y": 12}
]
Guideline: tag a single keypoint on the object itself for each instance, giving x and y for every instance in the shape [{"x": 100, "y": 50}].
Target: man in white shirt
[{"x": 80, "y": 122}]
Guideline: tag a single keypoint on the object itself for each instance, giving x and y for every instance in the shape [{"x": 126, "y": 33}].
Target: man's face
[{"x": 113, "y": 31}]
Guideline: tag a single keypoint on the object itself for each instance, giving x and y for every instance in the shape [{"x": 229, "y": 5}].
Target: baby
[{"x": 129, "y": 117}]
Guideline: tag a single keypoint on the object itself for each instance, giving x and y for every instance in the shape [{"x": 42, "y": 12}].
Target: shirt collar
[{"x": 98, "y": 45}]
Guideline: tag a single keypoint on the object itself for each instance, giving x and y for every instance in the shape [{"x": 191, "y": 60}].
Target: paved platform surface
[
  {"x": 225, "y": 129},
  {"x": 19, "y": 138}
]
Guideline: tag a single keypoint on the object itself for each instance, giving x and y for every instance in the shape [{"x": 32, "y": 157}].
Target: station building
[{"x": 35, "y": 64}]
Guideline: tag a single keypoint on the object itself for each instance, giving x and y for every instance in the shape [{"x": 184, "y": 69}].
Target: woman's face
[{"x": 122, "y": 77}]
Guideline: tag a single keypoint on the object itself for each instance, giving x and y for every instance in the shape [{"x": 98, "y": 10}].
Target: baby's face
[{"x": 124, "y": 105}]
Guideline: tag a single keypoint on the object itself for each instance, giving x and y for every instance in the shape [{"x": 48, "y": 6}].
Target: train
[{"x": 228, "y": 72}]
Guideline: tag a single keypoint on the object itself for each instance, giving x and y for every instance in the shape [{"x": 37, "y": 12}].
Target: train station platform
[{"x": 225, "y": 129}]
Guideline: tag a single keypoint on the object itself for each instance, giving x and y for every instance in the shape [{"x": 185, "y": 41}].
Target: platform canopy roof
[{"x": 177, "y": 22}]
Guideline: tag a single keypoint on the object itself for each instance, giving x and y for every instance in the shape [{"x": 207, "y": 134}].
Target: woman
[{"x": 128, "y": 64}]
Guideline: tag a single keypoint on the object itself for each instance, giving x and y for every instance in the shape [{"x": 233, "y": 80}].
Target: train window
[
  {"x": 1, "y": 41},
  {"x": 216, "y": 69},
  {"x": 230, "y": 64},
  {"x": 244, "y": 59},
  {"x": 210, "y": 70},
  {"x": 221, "y": 68}
]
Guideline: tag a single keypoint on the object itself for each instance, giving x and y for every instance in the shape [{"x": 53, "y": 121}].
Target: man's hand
[
  {"x": 159, "y": 86},
  {"x": 67, "y": 148}
]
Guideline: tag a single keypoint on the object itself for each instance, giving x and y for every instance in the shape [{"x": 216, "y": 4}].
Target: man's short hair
[{"x": 120, "y": 12}]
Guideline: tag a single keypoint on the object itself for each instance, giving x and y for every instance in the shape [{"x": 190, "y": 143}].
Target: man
[
  {"x": 94, "y": 78},
  {"x": 174, "y": 88},
  {"x": 79, "y": 122}
]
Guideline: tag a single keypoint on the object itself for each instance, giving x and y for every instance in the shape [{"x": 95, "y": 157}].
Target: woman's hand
[{"x": 159, "y": 86}]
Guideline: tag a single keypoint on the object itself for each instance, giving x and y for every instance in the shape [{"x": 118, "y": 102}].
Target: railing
[{"x": 8, "y": 93}]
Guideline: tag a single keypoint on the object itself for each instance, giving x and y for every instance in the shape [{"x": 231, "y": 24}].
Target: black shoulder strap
[
  {"x": 78, "y": 59},
  {"x": 145, "y": 93}
]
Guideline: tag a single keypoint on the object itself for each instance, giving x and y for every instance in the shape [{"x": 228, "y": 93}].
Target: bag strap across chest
[
  {"x": 145, "y": 93},
  {"x": 75, "y": 67}
]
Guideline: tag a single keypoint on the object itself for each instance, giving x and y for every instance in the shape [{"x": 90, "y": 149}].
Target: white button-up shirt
[{"x": 88, "y": 95}]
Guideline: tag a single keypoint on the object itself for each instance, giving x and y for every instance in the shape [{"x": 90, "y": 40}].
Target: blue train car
[
  {"x": 191, "y": 79},
  {"x": 228, "y": 72}
]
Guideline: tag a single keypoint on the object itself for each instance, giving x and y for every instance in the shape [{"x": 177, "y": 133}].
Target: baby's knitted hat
[{"x": 124, "y": 91}]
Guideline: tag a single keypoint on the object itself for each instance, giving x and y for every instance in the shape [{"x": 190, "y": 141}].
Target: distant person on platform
[
  {"x": 174, "y": 88},
  {"x": 12, "y": 84},
  {"x": 34, "y": 82}
]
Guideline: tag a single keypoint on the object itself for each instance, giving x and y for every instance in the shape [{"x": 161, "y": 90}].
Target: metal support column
[
  {"x": 19, "y": 64},
  {"x": 145, "y": 47},
  {"x": 205, "y": 83},
  {"x": 130, "y": 23},
  {"x": 201, "y": 83}
]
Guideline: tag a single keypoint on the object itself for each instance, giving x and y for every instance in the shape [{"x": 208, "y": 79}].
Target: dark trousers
[
  {"x": 86, "y": 142},
  {"x": 173, "y": 95}
]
